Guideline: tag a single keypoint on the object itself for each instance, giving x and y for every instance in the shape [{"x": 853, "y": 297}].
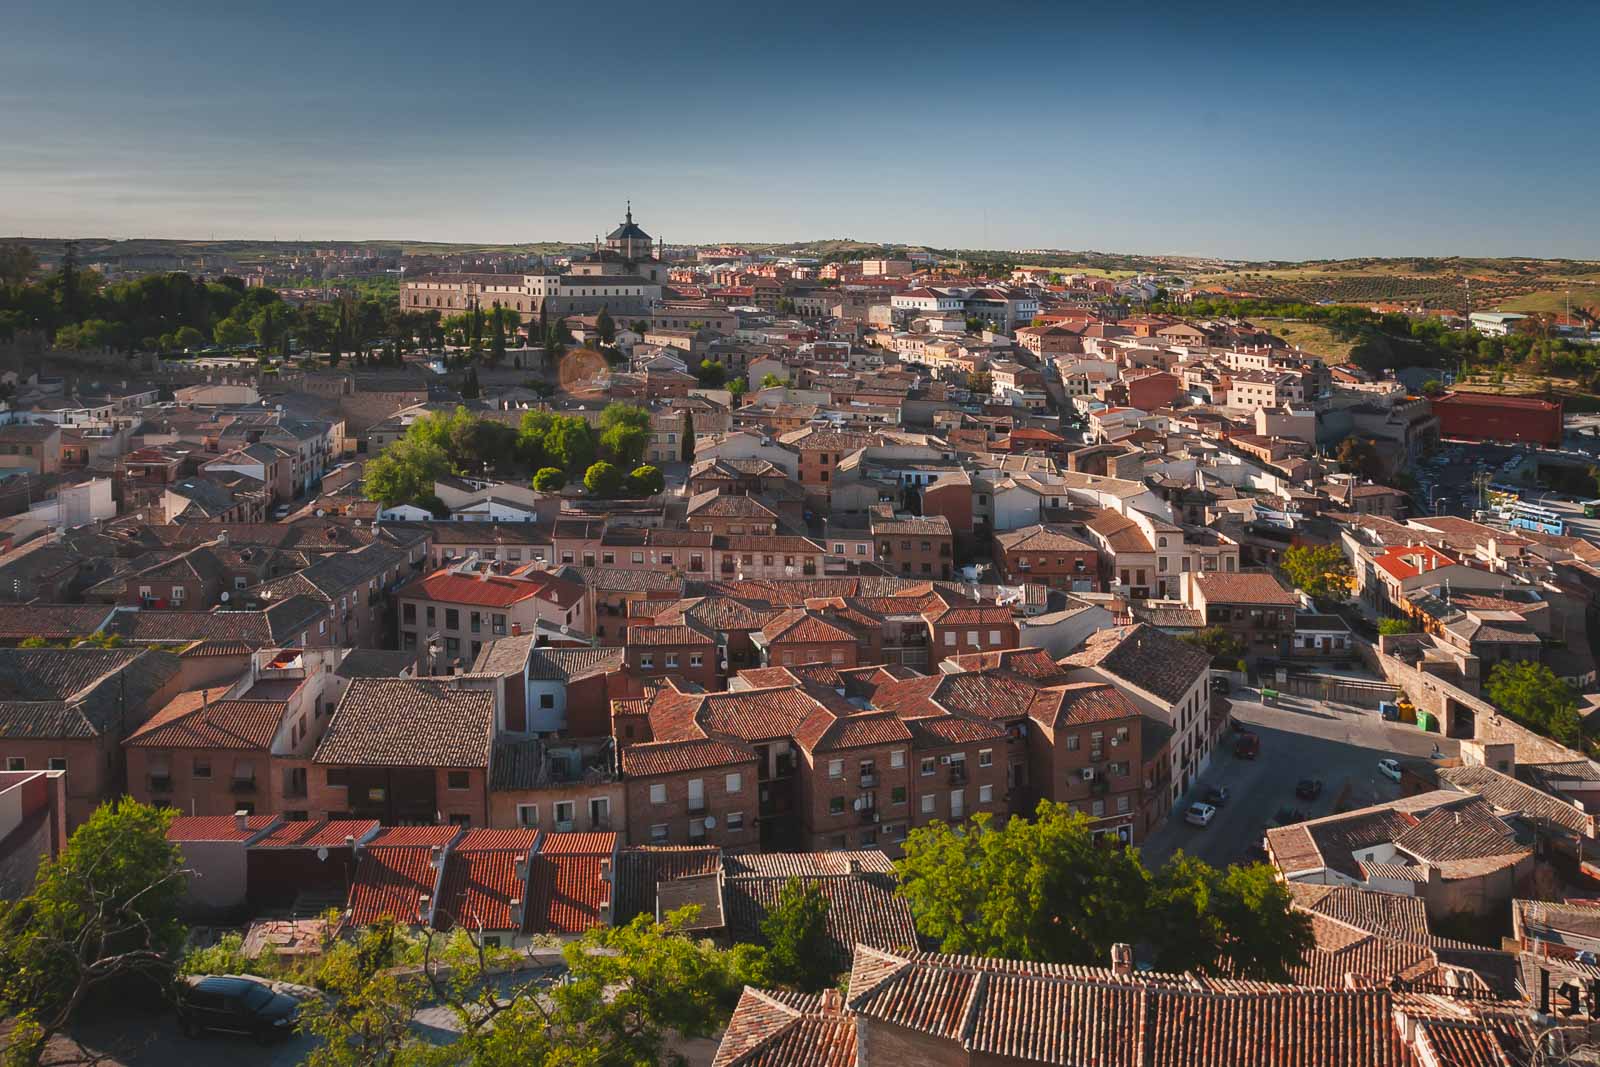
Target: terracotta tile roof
[
  {"x": 323, "y": 833},
  {"x": 393, "y": 881},
  {"x": 573, "y": 664},
  {"x": 416, "y": 835},
  {"x": 641, "y": 867},
  {"x": 1080, "y": 703},
  {"x": 57, "y": 694},
  {"x": 1244, "y": 587},
  {"x": 218, "y": 827},
  {"x": 862, "y": 909},
  {"x": 802, "y": 626},
  {"x": 194, "y": 720},
  {"x": 596, "y": 844},
  {"x": 252, "y": 628},
  {"x": 719, "y": 613},
  {"x": 493, "y": 591},
  {"x": 1047, "y": 537},
  {"x": 771, "y": 1029},
  {"x": 943, "y": 731},
  {"x": 1463, "y": 832},
  {"x": 409, "y": 722},
  {"x": 1408, "y": 561},
  {"x": 674, "y": 757},
  {"x": 969, "y": 615},
  {"x": 1146, "y": 657},
  {"x": 53, "y": 622},
  {"x": 756, "y": 715},
  {"x": 1512, "y": 796},
  {"x": 485, "y": 878},
  {"x": 687, "y": 633},
  {"x": 1121, "y": 533},
  {"x": 1030, "y": 663},
  {"x": 826, "y": 730}
]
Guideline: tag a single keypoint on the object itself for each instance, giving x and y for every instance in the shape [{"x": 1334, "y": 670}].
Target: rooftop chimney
[
  {"x": 241, "y": 819},
  {"x": 1122, "y": 958},
  {"x": 516, "y": 629}
]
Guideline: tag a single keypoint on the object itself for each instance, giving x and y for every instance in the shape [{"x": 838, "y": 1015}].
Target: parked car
[
  {"x": 1308, "y": 788},
  {"x": 1218, "y": 796},
  {"x": 1390, "y": 769},
  {"x": 1248, "y": 746},
  {"x": 1199, "y": 814},
  {"x": 1289, "y": 816},
  {"x": 1220, "y": 684},
  {"x": 281, "y": 511},
  {"x": 235, "y": 1004}
]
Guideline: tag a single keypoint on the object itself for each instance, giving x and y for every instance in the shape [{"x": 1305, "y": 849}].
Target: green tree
[
  {"x": 646, "y": 480},
  {"x": 17, "y": 263},
  {"x": 404, "y": 472},
  {"x": 624, "y": 444},
  {"x": 1235, "y": 922},
  {"x": 738, "y": 387},
  {"x": 188, "y": 338},
  {"x": 626, "y": 991},
  {"x": 770, "y": 380},
  {"x": 231, "y": 332},
  {"x": 1039, "y": 889},
  {"x": 1320, "y": 571},
  {"x": 796, "y": 934},
  {"x": 1359, "y": 456},
  {"x": 619, "y": 414},
  {"x": 1532, "y": 694},
  {"x": 270, "y": 324},
  {"x": 470, "y": 390},
  {"x": 712, "y": 374},
  {"x": 1395, "y": 627},
  {"x": 605, "y": 327},
  {"x": 602, "y": 480},
  {"x": 106, "y": 908},
  {"x": 1225, "y": 649},
  {"x": 549, "y": 479},
  {"x": 569, "y": 444}
]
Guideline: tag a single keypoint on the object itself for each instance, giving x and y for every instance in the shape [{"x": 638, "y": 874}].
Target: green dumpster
[{"x": 1426, "y": 721}]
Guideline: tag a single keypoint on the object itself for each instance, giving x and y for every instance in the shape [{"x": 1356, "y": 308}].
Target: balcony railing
[
  {"x": 958, "y": 774},
  {"x": 564, "y": 826},
  {"x": 868, "y": 779}
]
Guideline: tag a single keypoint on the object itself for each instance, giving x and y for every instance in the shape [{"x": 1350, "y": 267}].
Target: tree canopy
[
  {"x": 602, "y": 480},
  {"x": 646, "y": 480},
  {"x": 1225, "y": 649},
  {"x": 106, "y": 908},
  {"x": 1045, "y": 889},
  {"x": 1531, "y": 693},
  {"x": 550, "y": 479},
  {"x": 796, "y": 935},
  {"x": 1320, "y": 571}
]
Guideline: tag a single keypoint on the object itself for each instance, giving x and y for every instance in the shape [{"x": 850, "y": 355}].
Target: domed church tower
[{"x": 629, "y": 240}]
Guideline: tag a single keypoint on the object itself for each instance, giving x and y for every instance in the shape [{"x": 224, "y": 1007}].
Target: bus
[
  {"x": 1536, "y": 517},
  {"x": 1591, "y": 509}
]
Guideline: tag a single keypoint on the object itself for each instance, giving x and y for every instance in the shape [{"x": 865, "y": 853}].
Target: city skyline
[{"x": 1243, "y": 133}]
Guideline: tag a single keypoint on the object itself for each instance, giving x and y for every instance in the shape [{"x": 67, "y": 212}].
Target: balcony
[
  {"x": 868, "y": 780},
  {"x": 868, "y": 815},
  {"x": 600, "y": 824},
  {"x": 564, "y": 826},
  {"x": 958, "y": 774}
]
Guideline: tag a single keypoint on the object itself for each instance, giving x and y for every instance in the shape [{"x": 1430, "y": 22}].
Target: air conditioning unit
[
  {"x": 1088, "y": 774},
  {"x": 944, "y": 761}
]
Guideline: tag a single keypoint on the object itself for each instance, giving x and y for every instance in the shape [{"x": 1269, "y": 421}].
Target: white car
[
  {"x": 1390, "y": 769},
  {"x": 1199, "y": 814}
]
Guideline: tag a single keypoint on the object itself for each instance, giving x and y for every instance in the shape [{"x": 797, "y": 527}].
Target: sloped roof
[
  {"x": 1147, "y": 657},
  {"x": 193, "y": 720},
  {"x": 409, "y": 722},
  {"x": 78, "y": 693}
]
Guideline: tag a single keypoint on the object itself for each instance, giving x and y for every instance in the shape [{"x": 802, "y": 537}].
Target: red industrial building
[{"x": 1490, "y": 417}]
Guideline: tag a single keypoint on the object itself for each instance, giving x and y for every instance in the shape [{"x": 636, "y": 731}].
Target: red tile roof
[
  {"x": 569, "y": 891},
  {"x": 194, "y": 720},
  {"x": 393, "y": 881},
  {"x": 672, "y": 757},
  {"x": 324, "y": 833},
  {"x": 494, "y": 591},
  {"x": 800, "y": 626},
  {"x": 1244, "y": 587},
  {"x": 416, "y": 835},
  {"x": 217, "y": 827}
]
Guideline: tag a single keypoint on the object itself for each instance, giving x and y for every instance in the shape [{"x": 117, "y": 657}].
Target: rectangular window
[
  {"x": 658, "y": 793},
  {"x": 950, "y": 638},
  {"x": 527, "y": 815},
  {"x": 897, "y": 757},
  {"x": 994, "y": 637},
  {"x": 564, "y": 811},
  {"x": 897, "y": 795},
  {"x": 1123, "y": 804},
  {"x": 928, "y": 765},
  {"x": 836, "y": 768},
  {"x": 408, "y": 614},
  {"x": 452, "y": 619},
  {"x": 985, "y": 794},
  {"x": 16, "y": 763},
  {"x": 697, "y": 794},
  {"x": 735, "y": 820},
  {"x": 547, "y": 701},
  {"x": 1072, "y": 742},
  {"x": 836, "y": 805},
  {"x": 202, "y": 768},
  {"x": 455, "y": 780},
  {"x": 696, "y": 660},
  {"x": 658, "y": 834},
  {"x": 672, "y": 659},
  {"x": 985, "y": 757},
  {"x": 647, "y": 660},
  {"x": 928, "y": 802},
  {"x": 733, "y": 783}
]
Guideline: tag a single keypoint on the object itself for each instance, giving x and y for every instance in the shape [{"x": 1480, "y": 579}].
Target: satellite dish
[
  {"x": 321, "y": 512},
  {"x": 710, "y": 822},
  {"x": 224, "y": 597},
  {"x": 322, "y": 854}
]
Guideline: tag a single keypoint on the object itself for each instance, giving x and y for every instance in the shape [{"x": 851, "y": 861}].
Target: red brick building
[{"x": 1047, "y": 553}]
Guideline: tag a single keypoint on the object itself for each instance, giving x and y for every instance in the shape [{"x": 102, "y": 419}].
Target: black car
[
  {"x": 236, "y": 1005},
  {"x": 1217, "y": 797},
  {"x": 1308, "y": 789}
]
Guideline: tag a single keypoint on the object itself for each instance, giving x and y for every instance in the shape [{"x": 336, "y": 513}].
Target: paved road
[{"x": 1300, "y": 738}]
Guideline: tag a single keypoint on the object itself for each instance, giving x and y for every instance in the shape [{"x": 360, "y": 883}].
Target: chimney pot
[
  {"x": 241, "y": 819},
  {"x": 1122, "y": 958}
]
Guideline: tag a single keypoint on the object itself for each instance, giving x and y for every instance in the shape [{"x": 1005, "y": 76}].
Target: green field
[{"x": 1583, "y": 295}]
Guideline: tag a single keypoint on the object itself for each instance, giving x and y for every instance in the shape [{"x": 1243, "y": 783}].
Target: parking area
[{"x": 1300, "y": 738}]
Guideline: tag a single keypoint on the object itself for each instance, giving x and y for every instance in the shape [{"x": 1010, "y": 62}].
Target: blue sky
[{"x": 1233, "y": 129}]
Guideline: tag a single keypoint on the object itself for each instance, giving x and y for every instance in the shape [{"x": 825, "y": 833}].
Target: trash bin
[
  {"x": 1389, "y": 710},
  {"x": 1426, "y": 721},
  {"x": 1269, "y": 696}
]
